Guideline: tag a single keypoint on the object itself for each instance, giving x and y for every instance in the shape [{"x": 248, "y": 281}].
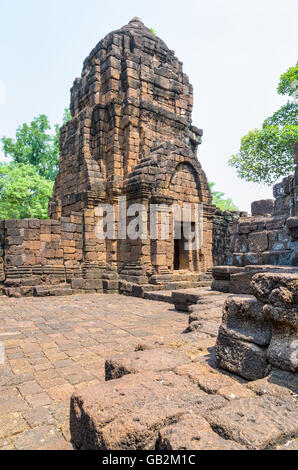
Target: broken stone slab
[
  {"x": 240, "y": 283},
  {"x": 235, "y": 392},
  {"x": 278, "y": 384},
  {"x": 205, "y": 377},
  {"x": 185, "y": 298},
  {"x": 264, "y": 283},
  {"x": 221, "y": 285},
  {"x": 292, "y": 226},
  {"x": 283, "y": 348},
  {"x": 193, "y": 433},
  {"x": 257, "y": 423},
  {"x": 243, "y": 319},
  {"x": 291, "y": 444},
  {"x": 279, "y": 292},
  {"x": 45, "y": 291},
  {"x": 128, "y": 413},
  {"x": 224, "y": 272},
  {"x": 143, "y": 361},
  {"x": 263, "y": 207},
  {"x": 241, "y": 357}
]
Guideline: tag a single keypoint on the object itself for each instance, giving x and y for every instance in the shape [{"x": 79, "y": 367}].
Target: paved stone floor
[{"x": 57, "y": 345}]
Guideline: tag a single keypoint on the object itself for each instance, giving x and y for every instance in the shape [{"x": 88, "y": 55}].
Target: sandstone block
[
  {"x": 258, "y": 241},
  {"x": 257, "y": 423},
  {"x": 193, "y": 433},
  {"x": 283, "y": 348},
  {"x": 263, "y": 207},
  {"x": 220, "y": 285},
  {"x": 240, "y": 357},
  {"x": 127, "y": 414},
  {"x": 135, "y": 362},
  {"x": 278, "y": 384},
  {"x": 244, "y": 319}
]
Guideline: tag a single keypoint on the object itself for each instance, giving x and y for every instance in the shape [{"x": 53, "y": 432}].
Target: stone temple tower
[{"x": 131, "y": 135}]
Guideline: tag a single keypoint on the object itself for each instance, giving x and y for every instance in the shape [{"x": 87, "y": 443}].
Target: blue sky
[{"x": 233, "y": 51}]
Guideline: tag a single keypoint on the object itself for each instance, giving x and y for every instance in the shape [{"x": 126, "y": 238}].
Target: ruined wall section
[
  {"x": 36, "y": 253},
  {"x": 265, "y": 239},
  {"x": 268, "y": 239},
  {"x": 270, "y": 236},
  {"x": 224, "y": 232}
]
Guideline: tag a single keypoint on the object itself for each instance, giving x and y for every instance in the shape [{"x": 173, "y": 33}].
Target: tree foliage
[
  {"x": 35, "y": 144},
  {"x": 224, "y": 204},
  {"x": 287, "y": 85},
  {"x": 267, "y": 154},
  {"x": 26, "y": 182},
  {"x": 24, "y": 193}
]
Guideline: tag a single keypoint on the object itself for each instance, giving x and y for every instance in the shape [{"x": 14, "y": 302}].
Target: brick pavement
[
  {"x": 54, "y": 346},
  {"x": 57, "y": 346}
]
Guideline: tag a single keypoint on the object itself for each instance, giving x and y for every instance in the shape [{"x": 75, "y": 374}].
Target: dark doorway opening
[
  {"x": 176, "y": 255},
  {"x": 181, "y": 255}
]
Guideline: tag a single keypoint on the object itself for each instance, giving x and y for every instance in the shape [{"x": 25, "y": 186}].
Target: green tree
[
  {"x": 267, "y": 154},
  {"x": 36, "y": 144},
  {"x": 24, "y": 193},
  {"x": 26, "y": 182},
  {"x": 224, "y": 204}
]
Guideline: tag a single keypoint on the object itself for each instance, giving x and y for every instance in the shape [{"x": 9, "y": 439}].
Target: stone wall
[
  {"x": 259, "y": 332},
  {"x": 265, "y": 240},
  {"x": 40, "y": 252},
  {"x": 270, "y": 235},
  {"x": 224, "y": 230}
]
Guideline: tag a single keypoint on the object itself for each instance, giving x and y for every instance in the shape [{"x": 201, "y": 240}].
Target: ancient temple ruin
[
  {"x": 131, "y": 135},
  {"x": 259, "y": 328},
  {"x": 265, "y": 241}
]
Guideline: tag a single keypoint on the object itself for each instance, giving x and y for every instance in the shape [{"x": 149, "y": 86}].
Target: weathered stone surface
[
  {"x": 224, "y": 225},
  {"x": 240, "y": 357},
  {"x": 128, "y": 413},
  {"x": 278, "y": 384},
  {"x": 258, "y": 423},
  {"x": 12, "y": 423},
  {"x": 235, "y": 392},
  {"x": 193, "y": 433},
  {"x": 279, "y": 292},
  {"x": 221, "y": 285},
  {"x": 225, "y": 272},
  {"x": 206, "y": 378},
  {"x": 183, "y": 300},
  {"x": 264, "y": 284},
  {"x": 258, "y": 241},
  {"x": 244, "y": 319},
  {"x": 143, "y": 361},
  {"x": 262, "y": 207},
  {"x": 291, "y": 444}
]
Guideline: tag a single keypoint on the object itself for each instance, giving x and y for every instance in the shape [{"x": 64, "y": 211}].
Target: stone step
[
  {"x": 159, "y": 296},
  {"x": 46, "y": 291},
  {"x": 183, "y": 299},
  {"x": 165, "y": 294},
  {"x": 178, "y": 285}
]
